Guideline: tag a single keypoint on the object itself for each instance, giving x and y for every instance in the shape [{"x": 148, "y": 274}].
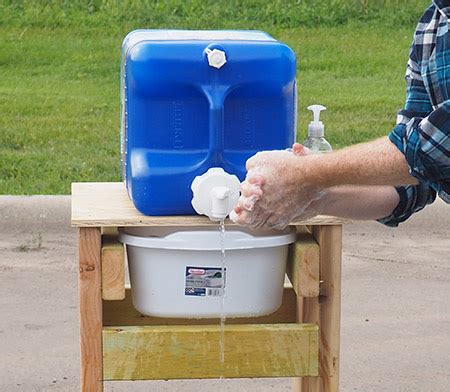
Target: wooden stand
[{"x": 301, "y": 339}]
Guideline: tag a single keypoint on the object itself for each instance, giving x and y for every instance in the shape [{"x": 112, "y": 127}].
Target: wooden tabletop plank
[{"x": 103, "y": 204}]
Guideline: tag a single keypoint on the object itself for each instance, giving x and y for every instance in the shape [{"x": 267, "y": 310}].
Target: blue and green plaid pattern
[{"x": 422, "y": 132}]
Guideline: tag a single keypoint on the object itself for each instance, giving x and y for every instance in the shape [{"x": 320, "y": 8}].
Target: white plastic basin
[{"x": 176, "y": 272}]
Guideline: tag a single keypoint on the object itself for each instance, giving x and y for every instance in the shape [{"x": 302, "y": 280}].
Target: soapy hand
[{"x": 277, "y": 190}]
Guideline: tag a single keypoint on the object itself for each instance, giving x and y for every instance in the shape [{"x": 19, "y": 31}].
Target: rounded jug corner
[{"x": 129, "y": 38}]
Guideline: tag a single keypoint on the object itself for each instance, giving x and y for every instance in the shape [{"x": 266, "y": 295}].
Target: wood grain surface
[
  {"x": 89, "y": 246},
  {"x": 113, "y": 268},
  {"x": 100, "y": 204},
  {"x": 173, "y": 352}
]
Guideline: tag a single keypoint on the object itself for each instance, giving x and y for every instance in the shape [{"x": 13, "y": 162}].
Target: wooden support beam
[
  {"x": 303, "y": 264},
  {"x": 113, "y": 268},
  {"x": 174, "y": 352},
  {"x": 330, "y": 242},
  {"x": 112, "y": 231},
  {"x": 123, "y": 313},
  {"x": 89, "y": 247},
  {"x": 309, "y": 313},
  {"x": 303, "y": 271},
  {"x": 325, "y": 311}
]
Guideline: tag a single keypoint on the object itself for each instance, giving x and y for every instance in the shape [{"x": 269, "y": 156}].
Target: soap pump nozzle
[
  {"x": 316, "y": 127},
  {"x": 315, "y": 140}
]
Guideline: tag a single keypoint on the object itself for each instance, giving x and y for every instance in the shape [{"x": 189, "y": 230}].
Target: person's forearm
[
  {"x": 359, "y": 202},
  {"x": 374, "y": 163}
]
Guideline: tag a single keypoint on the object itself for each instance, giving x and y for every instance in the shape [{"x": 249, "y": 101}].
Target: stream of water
[{"x": 223, "y": 291}]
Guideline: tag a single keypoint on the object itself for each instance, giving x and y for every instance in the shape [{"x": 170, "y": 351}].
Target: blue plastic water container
[{"x": 192, "y": 100}]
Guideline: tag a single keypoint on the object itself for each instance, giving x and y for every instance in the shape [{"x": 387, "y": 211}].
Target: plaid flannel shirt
[{"x": 422, "y": 132}]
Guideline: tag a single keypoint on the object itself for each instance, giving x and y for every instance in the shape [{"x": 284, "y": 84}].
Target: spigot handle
[
  {"x": 220, "y": 202},
  {"x": 215, "y": 193}
]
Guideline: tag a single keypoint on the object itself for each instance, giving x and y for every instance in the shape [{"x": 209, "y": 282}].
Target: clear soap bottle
[{"x": 316, "y": 141}]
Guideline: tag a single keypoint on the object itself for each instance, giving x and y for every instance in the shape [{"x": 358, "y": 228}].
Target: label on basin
[{"x": 203, "y": 281}]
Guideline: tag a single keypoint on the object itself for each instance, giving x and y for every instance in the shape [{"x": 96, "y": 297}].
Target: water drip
[{"x": 223, "y": 291}]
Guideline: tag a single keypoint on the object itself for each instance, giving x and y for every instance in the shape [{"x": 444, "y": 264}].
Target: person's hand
[{"x": 276, "y": 190}]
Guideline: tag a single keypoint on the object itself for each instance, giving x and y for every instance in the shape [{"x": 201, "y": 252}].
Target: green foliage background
[{"x": 60, "y": 64}]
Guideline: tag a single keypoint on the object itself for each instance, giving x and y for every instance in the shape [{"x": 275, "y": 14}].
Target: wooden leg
[
  {"x": 89, "y": 248},
  {"x": 308, "y": 312},
  {"x": 297, "y": 386},
  {"x": 329, "y": 239}
]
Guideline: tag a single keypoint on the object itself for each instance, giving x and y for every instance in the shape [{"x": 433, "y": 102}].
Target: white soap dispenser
[{"x": 315, "y": 140}]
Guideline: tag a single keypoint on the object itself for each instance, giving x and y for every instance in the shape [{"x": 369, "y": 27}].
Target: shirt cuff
[
  {"x": 413, "y": 198},
  {"x": 425, "y": 142}
]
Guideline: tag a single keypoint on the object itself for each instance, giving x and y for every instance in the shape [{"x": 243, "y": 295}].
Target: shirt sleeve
[
  {"x": 406, "y": 136},
  {"x": 423, "y": 134},
  {"x": 413, "y": 198}
]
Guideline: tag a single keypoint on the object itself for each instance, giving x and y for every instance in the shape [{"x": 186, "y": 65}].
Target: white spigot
[
  {"x": 215, "y": 193},
  {"x": 219, "y": 207}
]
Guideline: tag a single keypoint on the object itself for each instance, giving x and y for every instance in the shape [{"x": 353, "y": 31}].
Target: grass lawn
[{"x": 59, "y": 88}]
